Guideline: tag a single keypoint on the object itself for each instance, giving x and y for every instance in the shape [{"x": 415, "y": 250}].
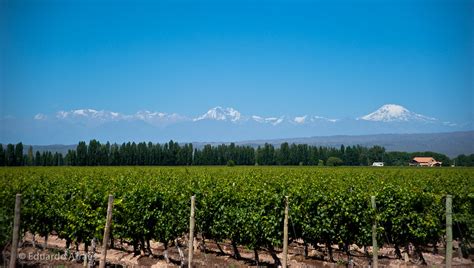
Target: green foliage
[
  {"x": 464, "y": 160},
  {"x": 174, "y": 154},
  {"x": 334, "y": 161},
  {"x": 241, "y": 204}
]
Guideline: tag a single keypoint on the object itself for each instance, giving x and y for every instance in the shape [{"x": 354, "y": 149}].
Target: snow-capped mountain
[
  {"x": 217, "y": 124},
  {"x": 385, "y": 114},
  {"x": 89, "y": 114},
  {"x": 268, "y": 120},
  {"x": 157, "y": 118},
  {"x": 220, "y": 114},
  {"x": 305, "y": 119},
  {"x": 229, "y": 114},
  {"x": 395, "y": 113},
  {"x": 102, "y": 116}
]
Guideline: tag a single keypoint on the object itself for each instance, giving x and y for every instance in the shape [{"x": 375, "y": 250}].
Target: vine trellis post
[
  {"x": 191, "y": 232},
  {"x": 108, "y": 223},
  {"x": 449, "y": 231},
  {"x": 375, "y": 248},
  {"x": 285, "y": 236},
  {"x": 16, "y": 230}
]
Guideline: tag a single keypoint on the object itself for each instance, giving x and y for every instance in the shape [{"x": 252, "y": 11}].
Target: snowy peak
[
  {"x": 395, "y": 113},
  {"x": 305, "y": 119},
  {"x": 268, "y": 120},
  {"x": 148, "y": 115},
  {"x": 220, "y": 114},
  {"x": 300, "y": 119},
  {"x": 156, "y": 118},
  {"x": 385, "y": 114},
  {"x": 102, "y": 116},
  {"x": 89, "y": 114}
]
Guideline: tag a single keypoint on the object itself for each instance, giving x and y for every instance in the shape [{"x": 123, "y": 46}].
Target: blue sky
[{"x": 335, "y": 58}]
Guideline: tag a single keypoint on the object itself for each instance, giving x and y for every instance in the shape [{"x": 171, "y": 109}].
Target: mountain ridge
[
  {"x": 394, "y": 112},
  {"x": 450, "y": 143},
  {"x": 386, "y": 113},
  {"x": 218, "y": 123}
]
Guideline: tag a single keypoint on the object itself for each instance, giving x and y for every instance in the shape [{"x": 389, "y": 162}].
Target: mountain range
[
  {"x": 386, "y": 113},
  {"x": 452, "y": 143},
  {"x": 219, "y": 124}
]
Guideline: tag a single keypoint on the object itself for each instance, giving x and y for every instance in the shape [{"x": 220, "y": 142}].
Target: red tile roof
[{"x": 424, "y": 159}]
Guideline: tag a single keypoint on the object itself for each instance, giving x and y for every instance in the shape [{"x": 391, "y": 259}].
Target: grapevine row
[{"x": 243, "y": 205}]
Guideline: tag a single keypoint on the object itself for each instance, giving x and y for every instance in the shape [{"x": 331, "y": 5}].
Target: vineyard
[{"x": 242, "y": 205}]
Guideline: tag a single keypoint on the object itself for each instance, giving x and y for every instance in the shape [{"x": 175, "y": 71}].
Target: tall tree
[
  {"x": 70, "y": 158},
  {"x": 375, "y": 154},
  {"x": 30, "y": 158},
  {"x": 19, "y": 154},
  {"x": 284, "y": 154},
  {"x": 93, "y": 153},
  {"x": 464, "y": 160},
  {"x": 114, "y": 155},
  {"x": 81, "y": 152},
  {"x": 10, "y": 155},
  {"x": 141, "y": 153},
  {"x": 38, "y": 160},
  {"x": 2, "y": 156}
]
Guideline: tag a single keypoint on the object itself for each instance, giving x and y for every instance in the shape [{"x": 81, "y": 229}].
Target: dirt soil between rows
[{"x": 210, "y": 255}]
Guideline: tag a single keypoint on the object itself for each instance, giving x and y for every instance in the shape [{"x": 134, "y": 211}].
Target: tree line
[{"x": 175, "y": 154}]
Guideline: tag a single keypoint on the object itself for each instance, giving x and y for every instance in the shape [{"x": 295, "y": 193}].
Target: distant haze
[
  {"x": 452, "y": 144},
  {"x": 218, "y": 124}
]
